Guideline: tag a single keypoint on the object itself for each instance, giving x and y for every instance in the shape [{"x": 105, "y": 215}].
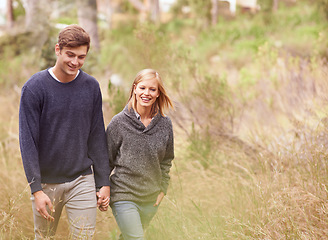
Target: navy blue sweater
[{"x": 61, "y": 130}]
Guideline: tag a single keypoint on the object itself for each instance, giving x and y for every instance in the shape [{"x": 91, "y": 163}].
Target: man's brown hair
[{"x": 73, "y": 36}]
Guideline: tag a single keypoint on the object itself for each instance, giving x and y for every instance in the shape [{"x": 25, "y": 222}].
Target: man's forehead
[{"x": 81, "y": 50}]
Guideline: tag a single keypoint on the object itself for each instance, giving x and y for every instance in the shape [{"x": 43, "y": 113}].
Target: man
[{"x": 63, "y": 142}]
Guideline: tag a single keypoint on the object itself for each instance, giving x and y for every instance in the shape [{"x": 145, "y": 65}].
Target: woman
[{"x": 140, "y": 146}]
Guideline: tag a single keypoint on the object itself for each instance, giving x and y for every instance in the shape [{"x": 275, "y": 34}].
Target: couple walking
[{"x": 70, "y": 160}]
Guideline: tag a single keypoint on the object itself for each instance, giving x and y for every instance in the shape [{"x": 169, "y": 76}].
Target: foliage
[
  {"x": 117, "y": 97},
  {"x": 19, "y": 10},
  {"x": 48, "y": 57},
  {"x": 199, "y": 10},
  {"x": 250, "y": 123},
  {"x": 323, "y": 7}
]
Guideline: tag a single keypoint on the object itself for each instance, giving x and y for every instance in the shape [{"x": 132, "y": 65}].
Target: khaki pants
[{"x": 79, "y": 199}]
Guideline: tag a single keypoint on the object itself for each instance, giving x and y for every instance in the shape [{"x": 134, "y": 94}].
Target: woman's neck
[
  {"x": 145, "y": 115},
  {"x": 144, "y": 112}
]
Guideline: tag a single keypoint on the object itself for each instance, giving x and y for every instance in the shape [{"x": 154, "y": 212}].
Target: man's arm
[
  {"x": 97, "y": 149},
  {"x": 29, "y": 116}
]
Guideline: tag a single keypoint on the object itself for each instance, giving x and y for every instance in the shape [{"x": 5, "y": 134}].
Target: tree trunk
[
  {"x": 87, "y": 17},
  {"x": 10, "y": 14},
  {"x": 275, "y": 5},
  {"x": 214, "y": 12},
  {"x": 155, "y": 11},
  {"x": 139, "y": 5},
  {"x": 109, "y": 13},
  {"x": 148, "y": 9},
  {"x": 37, "y": 14}
]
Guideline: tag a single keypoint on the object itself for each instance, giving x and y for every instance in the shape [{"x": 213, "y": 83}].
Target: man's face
[{"x": 70, "y": 60}]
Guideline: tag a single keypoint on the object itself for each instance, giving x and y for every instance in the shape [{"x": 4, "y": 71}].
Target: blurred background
[{"x": 249, "y": 79}]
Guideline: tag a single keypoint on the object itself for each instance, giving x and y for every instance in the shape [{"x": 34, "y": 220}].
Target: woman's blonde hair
[{"x": 163, "y": 102}]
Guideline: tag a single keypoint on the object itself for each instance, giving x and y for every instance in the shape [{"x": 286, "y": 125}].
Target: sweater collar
[{"x": 135, "y": 118}]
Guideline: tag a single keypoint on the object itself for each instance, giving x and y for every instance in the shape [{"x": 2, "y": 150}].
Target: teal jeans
[{"x": 133, "y": 218}]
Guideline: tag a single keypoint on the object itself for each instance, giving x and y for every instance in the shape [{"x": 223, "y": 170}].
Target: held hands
[
  {"x": 103, "y": 198},
  {"x": 159, "y": 199},
  {"x": 103, "y": 201},
  {"x": 41, "y": 201}
]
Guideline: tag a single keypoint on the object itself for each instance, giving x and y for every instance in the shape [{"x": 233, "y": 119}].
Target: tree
[
  {"x": 275, "y": 5},
  {"x": 10, "y": 14},
  {"x": 214, "y": 12},
  {"x": 155, "y": 11},
  {"x": 148, "y": 9},
  {"x": 37, "y": 14},
  {"x": 87, "y": 17},
  {"x": 109, "y": 13}
]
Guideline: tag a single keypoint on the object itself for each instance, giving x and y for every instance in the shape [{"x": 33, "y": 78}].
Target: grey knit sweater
[{"x": 141, "y": 157}]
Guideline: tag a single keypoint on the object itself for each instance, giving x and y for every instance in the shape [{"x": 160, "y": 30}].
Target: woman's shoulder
[
  {"x": 165, "y": 122},
  {"x": 166, "y": 119},
  {"x": 118, "y": 118}
]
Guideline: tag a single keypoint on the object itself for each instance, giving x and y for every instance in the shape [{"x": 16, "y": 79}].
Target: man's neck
[{"x": 61, "y": 77}]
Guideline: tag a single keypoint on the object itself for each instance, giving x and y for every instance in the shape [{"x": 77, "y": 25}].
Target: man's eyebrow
[{"x": 82, "y": 55}]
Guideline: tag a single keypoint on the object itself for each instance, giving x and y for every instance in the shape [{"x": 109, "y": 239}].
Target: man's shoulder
[
  {"x": 36, "y": 78},
  {"x": 87, "y": 77}
]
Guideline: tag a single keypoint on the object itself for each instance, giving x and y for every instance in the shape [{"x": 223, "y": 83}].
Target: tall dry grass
[
  {"x": 251, "y": 130},
  {"x": 264, "y": 179}
]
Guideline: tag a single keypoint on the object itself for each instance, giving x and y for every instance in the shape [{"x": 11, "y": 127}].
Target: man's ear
[{"x": 57, "y": 49}]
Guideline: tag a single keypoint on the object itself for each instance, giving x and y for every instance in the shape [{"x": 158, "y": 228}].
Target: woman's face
[{"x": 146, "y": 92}]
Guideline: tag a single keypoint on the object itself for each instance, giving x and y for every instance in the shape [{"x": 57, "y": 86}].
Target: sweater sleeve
[
  {"x": 97, "y": 145},
  {"x": 29, "y": 115},
  {"x": 166, "y": 163},
  {"x": 111, "y": 146}
]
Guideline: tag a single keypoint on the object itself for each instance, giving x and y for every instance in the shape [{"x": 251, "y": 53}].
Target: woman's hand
[
  {"x": 104, "y": 204},
  {"x": 159, "y": 199},
  {"x": 103, "y": 198}
]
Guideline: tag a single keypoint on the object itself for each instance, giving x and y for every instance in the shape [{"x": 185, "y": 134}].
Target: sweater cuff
[
  {"x": 101, "y": 181},
  {"x": 164, "y": 189},
  {"x": 35, "y": 186}
]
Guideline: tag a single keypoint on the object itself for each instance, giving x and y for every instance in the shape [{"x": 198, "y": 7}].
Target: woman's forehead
[{"x": 149, "y": 81}]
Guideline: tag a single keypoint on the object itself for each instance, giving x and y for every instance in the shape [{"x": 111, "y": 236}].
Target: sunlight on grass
[{"x": 251, "y": 126}]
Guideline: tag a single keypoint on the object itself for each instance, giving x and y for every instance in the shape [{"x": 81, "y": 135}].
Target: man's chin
[{"x": 72, "y": 72}]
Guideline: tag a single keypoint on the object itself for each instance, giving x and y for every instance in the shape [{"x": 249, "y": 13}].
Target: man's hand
[
  {"x": 41, "y": 201},
  {"x": 103, "y": 197},
  {"x": 159, "y": 199}
]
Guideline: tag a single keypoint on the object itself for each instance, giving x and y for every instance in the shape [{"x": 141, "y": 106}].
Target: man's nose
[{"x": 74, "y": 61}]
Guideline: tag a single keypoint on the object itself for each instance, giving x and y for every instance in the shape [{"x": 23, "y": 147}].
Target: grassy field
[{"x": 251, "y": 126}]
